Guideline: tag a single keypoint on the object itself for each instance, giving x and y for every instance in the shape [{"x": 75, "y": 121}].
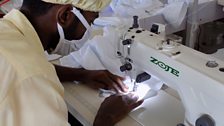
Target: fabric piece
[
  {"x": 130, "y": 8},
  {"x": 30, "y": 91},
  {"x": 177, "y": 15},
  {"x": 88, "y": 5},
  {"x": 113, "y": 21},
  {"x": 52, "y": 57},
  {"x": 99, "y": 53}
]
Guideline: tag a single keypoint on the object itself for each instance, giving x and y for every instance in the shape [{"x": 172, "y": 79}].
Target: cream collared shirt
[{"x": 30, "y": 91}]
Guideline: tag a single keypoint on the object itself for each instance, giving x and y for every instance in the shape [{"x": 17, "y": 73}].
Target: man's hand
[
  {"x": 106, "y": 80},
  {"x": 95, "y": 78},
  {"x": 115, "y": 108}
]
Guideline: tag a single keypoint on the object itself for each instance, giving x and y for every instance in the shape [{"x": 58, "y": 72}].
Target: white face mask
[{"x": 65, "y": 46}]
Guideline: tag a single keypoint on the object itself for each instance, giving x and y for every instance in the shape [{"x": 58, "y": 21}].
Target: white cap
[{"x": 88, "y": 5}]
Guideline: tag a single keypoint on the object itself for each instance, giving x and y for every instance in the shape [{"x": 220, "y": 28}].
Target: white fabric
[
  {"x": 65, "y": 46},
  {"x": 174, "y": 13},
  {"x": 187, "y": 1},
  {"x": 88, "y": 56},
  {"x": 113, "y": 21},
  {"x": 174, "y": 1},
  {"x": 52, "y": 57},
  {"x": 69, "y": 61},
  {"x": 130, "y": 8},
  {"x": 98, "y": 53},
  {"x": 146, "y": 89}
]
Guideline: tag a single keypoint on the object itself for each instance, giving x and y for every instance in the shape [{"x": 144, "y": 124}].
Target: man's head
[{"x": 51, "y": 12}]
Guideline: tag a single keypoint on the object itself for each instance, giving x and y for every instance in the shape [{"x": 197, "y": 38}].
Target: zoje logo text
[{"x": 165, "y": 67}]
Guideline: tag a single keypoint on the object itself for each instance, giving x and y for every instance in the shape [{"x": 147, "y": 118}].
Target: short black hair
[{"x": 37, "y": 7}]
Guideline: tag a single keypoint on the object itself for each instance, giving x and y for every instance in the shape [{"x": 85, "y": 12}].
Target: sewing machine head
[{"x": 198, "y": 78}]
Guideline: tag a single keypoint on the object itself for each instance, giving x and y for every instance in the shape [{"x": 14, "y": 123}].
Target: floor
[{"x": 73, "y": 121}]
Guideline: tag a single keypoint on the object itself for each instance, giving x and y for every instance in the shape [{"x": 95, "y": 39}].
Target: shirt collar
[{"x": 25, "y": 27}]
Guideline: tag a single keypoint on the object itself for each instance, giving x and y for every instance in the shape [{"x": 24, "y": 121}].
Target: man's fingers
[
  {"x": 96, "y": 85},
  {"x": 119, "y": 83},
  {"x": 129, "y": 99},
  {"x": 112, "y": 85},
  {"x": 121, "y": 78},
  {"x": 132, "y": 100},
  {"x": 136, "y": 104}
]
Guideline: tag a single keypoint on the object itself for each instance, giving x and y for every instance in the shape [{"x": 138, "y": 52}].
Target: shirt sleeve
[{"x": 34, "y": 101}]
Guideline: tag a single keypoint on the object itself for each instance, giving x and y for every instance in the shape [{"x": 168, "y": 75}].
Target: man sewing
[{"x": 30, "y": 91}]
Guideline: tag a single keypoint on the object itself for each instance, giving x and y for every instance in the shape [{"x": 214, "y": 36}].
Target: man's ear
[{"x": 65, "y": 15}]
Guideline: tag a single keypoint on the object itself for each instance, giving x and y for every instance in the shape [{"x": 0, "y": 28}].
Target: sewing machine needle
[{"x": 134, "y": 87}]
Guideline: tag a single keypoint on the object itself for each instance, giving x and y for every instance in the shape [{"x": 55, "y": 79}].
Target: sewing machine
[{"x": 198, "y": 78}]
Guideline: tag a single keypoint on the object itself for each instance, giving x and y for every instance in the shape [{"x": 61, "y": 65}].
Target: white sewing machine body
[{"x": 200, "y": 87}]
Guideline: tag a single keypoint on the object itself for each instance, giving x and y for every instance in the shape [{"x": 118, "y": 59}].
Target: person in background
[{"x": 31, "y": 93}]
